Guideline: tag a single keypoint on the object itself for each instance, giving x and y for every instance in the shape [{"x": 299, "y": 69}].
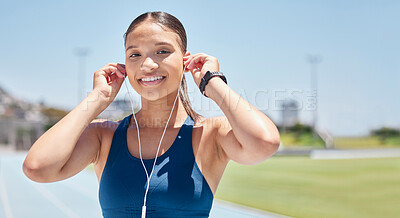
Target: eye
[
  {"x": 163, "y": 52},
  {"x": 134, "y": 55}
]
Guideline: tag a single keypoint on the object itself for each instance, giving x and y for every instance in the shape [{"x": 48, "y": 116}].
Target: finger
[
  {"x": 185, "y": 69},
  {"x": 109, "y": 69},
  {"x": 200, "y": 59},
  {"x": 190, "y": 57},
  {"x": 120, "y": 74},
  {"x": 195, "y": 71},
  {"x": 189, "y": 61},
  {"x": 111, "y": 64},
  {"x": 196, "y": 61},
  {"x": 187, "y": 55},
  {"x": 194, "y": 66},
  {"x": 188, "y": 65},
  {"x": 112, "y": 78},
  {"x": 121, "y": 67}
]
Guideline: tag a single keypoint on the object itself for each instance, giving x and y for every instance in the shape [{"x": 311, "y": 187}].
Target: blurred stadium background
[{"x": 326, "y": 73}]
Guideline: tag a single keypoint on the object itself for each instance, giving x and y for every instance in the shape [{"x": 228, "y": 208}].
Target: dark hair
[{"x": 173, "y": 24}]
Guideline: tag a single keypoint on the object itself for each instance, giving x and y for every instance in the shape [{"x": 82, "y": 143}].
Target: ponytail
[{"x": 183, "y": 95}]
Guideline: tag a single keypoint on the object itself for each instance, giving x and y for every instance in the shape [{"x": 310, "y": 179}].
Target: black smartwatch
[{"x": 207, "y": 77}]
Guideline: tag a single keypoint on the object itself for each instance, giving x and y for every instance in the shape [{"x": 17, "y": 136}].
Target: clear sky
[{"x": 261, "y": 46}]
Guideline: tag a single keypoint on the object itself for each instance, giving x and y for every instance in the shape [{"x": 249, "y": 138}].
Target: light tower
[
  {"x": 82, "y": 53},
  {"x": 314, "y": 60}
]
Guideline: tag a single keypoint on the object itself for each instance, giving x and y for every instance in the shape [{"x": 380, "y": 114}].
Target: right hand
[{"x": 108, "y": 80}]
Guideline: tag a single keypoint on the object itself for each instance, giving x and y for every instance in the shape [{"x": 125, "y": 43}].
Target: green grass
[
  {"x": 290, "y": 139},
  {"x": 393, "y": 141},
  {"x": 366, "y": 142},
  {"x": 301, "y": 187},
  {"x": 306, "y": 140}
]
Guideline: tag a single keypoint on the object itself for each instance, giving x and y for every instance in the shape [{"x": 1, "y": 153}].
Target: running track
[{"x": 74, "y": 197}]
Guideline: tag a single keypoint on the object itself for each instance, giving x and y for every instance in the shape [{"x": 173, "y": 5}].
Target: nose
[{"x": 148, "y": 65}]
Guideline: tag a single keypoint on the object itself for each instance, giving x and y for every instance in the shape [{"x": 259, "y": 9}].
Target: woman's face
[{"x": 154, "y": 60}]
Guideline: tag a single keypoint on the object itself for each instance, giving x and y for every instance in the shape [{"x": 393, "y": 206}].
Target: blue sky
[{"x": 261, "y": 46}]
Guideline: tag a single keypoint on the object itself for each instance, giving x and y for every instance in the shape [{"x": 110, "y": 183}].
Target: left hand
[{"x": 199, "y": 64}]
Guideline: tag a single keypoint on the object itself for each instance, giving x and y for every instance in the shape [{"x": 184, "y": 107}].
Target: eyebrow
[
  {"x": 158, "y": 43},
  {"x": 163, "y": 43}
]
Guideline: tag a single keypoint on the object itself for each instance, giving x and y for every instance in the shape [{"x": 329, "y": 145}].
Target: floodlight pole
[
  {"x": 82, "y": 53},
  {"x": 314, "y": 60}
]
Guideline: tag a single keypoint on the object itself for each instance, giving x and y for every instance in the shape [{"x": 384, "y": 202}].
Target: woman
[{"x": 166, "y": 160}]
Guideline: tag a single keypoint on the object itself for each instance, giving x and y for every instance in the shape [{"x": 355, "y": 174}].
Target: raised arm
[
  {"x": 245, "y": 134},
  {"x": 73, "y": 143}
]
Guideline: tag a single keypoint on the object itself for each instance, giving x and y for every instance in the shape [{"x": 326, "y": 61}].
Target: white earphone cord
[{"x": 159, "y": 145}]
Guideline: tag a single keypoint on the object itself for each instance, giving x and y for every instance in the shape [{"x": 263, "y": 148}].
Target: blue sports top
[{"x": 177, "y": 186}]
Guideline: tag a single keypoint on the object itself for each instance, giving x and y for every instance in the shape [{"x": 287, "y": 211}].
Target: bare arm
[
  {"x": 246, "y": 135},
  {"x": 73, "y": 143}
]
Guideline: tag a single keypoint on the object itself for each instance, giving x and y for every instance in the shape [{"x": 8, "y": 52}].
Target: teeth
[{"x": 148, "y": 79}]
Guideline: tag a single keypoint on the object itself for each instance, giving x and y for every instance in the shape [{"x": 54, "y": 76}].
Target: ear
[{"x": 186, "y": 54}]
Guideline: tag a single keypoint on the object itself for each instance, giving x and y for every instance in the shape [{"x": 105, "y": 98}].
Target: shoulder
[
  {"x": 208, "y": 125},
  {"x": 223, "y": 138},
  {"x": 104, "y": 129},
  {"x": 102, "y": 125},
  {"x": 213, "y": 124},
  {"x": 207, "y": 132},
  {"x": 106, "y": 125}
]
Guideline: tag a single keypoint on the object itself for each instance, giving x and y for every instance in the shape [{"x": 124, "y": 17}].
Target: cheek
[
  {"x": 174, "y": 62},
  {"x": 130, "y": 69},
  {"x": 134, "y": 84},
  {"x": 132, "y": 79},
  {"x": 175, "y": 69}
]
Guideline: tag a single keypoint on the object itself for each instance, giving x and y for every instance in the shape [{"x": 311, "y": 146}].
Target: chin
[{"x": 154, "y": 95}]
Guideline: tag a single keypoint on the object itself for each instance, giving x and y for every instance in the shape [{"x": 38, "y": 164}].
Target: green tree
[
  {"x": 385, "y": 133},
  {"x": 54, "y": 116}
]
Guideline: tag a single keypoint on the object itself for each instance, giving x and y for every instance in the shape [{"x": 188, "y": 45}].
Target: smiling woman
[
  {"x": 153, "y": 52},
  {"x": 169, "y": 163}
]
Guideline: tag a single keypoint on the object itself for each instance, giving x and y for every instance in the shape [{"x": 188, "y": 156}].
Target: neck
[{"x": 155, "y": 114}]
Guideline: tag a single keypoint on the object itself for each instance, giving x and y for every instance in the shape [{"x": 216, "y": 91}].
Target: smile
[{"x": 149, "y": 81}]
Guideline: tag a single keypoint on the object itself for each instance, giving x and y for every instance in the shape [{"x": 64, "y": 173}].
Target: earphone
[{"x": 159, "y": 145}]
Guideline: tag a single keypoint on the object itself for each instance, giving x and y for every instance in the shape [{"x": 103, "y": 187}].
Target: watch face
[
  {"x": 216, "y": 73},
  {"x": 212, "y": 74}
]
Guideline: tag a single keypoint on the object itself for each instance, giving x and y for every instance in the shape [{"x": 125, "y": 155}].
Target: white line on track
[
  {"x": 355, "y": 153},
  {"x": 82, "y": 190},
  {"x": 4, "y": 197},
  {"x": 53, "y": 199},
  {"x": 243, "y": 211}
]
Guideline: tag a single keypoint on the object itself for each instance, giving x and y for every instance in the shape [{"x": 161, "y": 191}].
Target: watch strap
[{"x": 207, "y": 77}]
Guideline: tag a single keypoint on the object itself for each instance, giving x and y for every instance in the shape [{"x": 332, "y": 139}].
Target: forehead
[{"x": 149, "y": 32}]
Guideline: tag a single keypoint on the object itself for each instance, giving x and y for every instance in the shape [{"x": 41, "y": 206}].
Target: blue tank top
[{"x": 177, "y": 186}]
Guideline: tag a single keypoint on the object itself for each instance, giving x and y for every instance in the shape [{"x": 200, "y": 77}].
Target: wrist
[
  {"x": 207, "y": 77},
  {"x": 98, "y": 99},
  {"x": 212, "y": 86}
]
